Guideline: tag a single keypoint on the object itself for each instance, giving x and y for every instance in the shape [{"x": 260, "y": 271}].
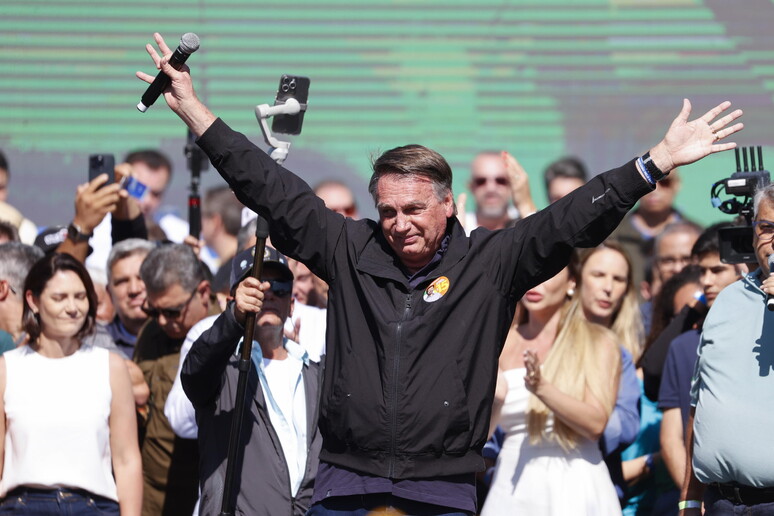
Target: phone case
[{"x": 290, "y": 86}]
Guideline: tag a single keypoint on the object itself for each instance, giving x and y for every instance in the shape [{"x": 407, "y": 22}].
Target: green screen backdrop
[{"x": 597, "y": 79}]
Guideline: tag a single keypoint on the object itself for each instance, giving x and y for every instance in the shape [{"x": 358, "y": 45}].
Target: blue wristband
[{"x": 644, "y": 171}]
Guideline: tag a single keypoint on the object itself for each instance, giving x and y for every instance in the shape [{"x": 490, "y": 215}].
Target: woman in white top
[
  {"x": 68, "y": 438},
  {"x": 553, "y": 414}
]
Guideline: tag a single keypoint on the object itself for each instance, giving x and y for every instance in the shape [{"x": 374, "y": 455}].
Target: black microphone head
[
  {"x": 771, "y": 263},
  {"x": 189, "y": 43}
]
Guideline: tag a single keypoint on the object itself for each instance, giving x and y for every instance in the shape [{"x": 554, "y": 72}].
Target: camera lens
[{"x": 285, "y": 88}]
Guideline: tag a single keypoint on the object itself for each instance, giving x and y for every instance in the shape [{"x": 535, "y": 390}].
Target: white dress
[{"x": 544, "y": 479}]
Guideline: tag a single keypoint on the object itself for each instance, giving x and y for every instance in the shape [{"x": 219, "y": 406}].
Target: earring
[{"x": 570, "y": 292}]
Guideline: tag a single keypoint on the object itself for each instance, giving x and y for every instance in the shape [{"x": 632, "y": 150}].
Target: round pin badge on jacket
[{"x": 436, "y": 290}]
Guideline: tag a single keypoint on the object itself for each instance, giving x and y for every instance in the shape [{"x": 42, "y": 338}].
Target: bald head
[{"x": 338, "y": 197}]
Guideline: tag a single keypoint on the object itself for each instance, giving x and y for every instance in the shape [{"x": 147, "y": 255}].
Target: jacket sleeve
[
  {"x": 300, "y": 224},
  {"x": 203, "y": 368},
  {"x": 624, "y": 422},
  {"x": 539, "y": 246},
  {"x": 125, "y": 229}
]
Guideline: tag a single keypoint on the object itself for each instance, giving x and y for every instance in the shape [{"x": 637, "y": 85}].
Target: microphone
[
  {"x": 769, "y": 297},
  {"x": 189, "y": 44}
]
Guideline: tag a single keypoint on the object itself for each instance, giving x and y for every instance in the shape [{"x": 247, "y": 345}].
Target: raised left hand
[
  {"x": 689, "y": 141},
  {"x": 519, "y": 180}
]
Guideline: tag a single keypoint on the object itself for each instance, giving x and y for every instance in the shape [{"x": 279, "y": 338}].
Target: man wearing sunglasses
[
  {"x": 177, "y": 297},
  {"x": 493, "y": 187},
  {"x": 281, "y": 440}
]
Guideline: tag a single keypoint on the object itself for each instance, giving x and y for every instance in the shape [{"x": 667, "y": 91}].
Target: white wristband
[{"x": 689, "y": 504}]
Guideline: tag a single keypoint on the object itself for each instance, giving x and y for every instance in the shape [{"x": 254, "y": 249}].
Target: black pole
[
  {"x": 196, "y": 163},
  {"x": 245, "y": 359}
]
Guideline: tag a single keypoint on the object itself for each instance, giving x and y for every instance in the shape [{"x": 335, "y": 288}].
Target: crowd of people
[{"x": 509, "y": 360}]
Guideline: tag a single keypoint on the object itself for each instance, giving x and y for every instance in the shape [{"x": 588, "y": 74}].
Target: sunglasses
[
  {"x": 280, "y": 288},
  {"x": 168, "y": 313},
  {"x": 481, "y": 181}
]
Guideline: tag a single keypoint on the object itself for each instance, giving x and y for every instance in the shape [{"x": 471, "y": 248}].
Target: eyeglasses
[
  {"x": 280, "y": 288},
  {"x": 481, "y": 181},
  {"x": 168, "y": 313},
  {"x": 764, "y": 228}
]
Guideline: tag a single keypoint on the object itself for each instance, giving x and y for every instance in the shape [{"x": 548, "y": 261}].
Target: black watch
[
  {"x": 76, "y": 234},
  {"x": 655, "y": 173}
]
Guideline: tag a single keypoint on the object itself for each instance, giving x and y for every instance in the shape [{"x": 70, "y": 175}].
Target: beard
[{"x": 493, "y": 211}]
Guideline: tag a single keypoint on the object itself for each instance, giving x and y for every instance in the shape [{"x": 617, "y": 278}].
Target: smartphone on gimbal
[{"x": 290, "y": 86}]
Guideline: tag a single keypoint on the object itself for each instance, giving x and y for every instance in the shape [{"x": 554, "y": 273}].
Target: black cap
[
  {"x": 49, "y": 239},
  {"x": 273, "y": 259}
]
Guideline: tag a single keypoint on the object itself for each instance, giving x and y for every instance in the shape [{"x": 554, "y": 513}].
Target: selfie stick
[
  {"x": 279, "y": 153},
  {"x": 196, "y": 163},
  {"x": 228, "y": 502},
  {"x": 263, "y": 112}
]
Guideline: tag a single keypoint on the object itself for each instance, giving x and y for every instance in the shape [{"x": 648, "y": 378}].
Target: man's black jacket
[{"x": 408, "y": 383}]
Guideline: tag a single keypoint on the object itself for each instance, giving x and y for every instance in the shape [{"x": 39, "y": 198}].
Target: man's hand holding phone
[{"x": 94, "y": 200}]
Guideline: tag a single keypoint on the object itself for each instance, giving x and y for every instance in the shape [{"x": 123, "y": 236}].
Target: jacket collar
[{"x": 378, "y": 258}]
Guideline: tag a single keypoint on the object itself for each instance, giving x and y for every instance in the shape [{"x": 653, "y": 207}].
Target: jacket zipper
[{"x": 396, "y": 366}]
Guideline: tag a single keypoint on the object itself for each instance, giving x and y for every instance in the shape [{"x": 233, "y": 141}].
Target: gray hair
[
  {"x": 763, "y": 194},
  {"x": 417, "y": 161},
  {"x": 125, "y": 249},
  {"x": 16, "y": 260},
  {"x": 245, "y": 232},
  {"x": 169, "y": 265},
  {"x": 682, "y": 226}
]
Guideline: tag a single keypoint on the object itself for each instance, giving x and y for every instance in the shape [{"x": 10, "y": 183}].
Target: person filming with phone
[{"x": 410, "y": 375}]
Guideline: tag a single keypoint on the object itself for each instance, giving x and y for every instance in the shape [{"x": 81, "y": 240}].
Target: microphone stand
[
  {"x": 279, "y": 153},
  {"x": 197, "y": 162}
]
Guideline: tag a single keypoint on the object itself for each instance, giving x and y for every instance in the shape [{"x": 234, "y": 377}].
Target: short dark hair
[
  {"x": 664, "y": 302},
  {"x": 221, "y": 200},
  {"x": 152, "y": 158},
  {"x": 37, "y": 279},
  {"x": 9, "y": 230},
  {"x": 569, "y": 166},
  {"x": 709, "y": 241},
  {"x": 4, "y": 165},
  {"x": 413, "y": 160}
]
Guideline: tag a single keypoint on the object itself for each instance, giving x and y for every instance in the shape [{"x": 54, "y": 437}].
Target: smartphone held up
[{"x": 295, "y": 87}]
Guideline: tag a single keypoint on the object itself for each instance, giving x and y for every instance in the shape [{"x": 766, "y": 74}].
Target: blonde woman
[
  {"x": 553, "y": 416},
  {"x": 608, "y": 295}
]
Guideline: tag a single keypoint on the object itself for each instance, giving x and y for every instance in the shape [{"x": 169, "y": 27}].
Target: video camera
[{"x": 736, "y": 243}]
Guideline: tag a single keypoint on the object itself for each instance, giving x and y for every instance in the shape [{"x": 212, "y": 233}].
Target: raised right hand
[
  {"x": 93, "y": 201},
  {"x": 248, "y": 298}
]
